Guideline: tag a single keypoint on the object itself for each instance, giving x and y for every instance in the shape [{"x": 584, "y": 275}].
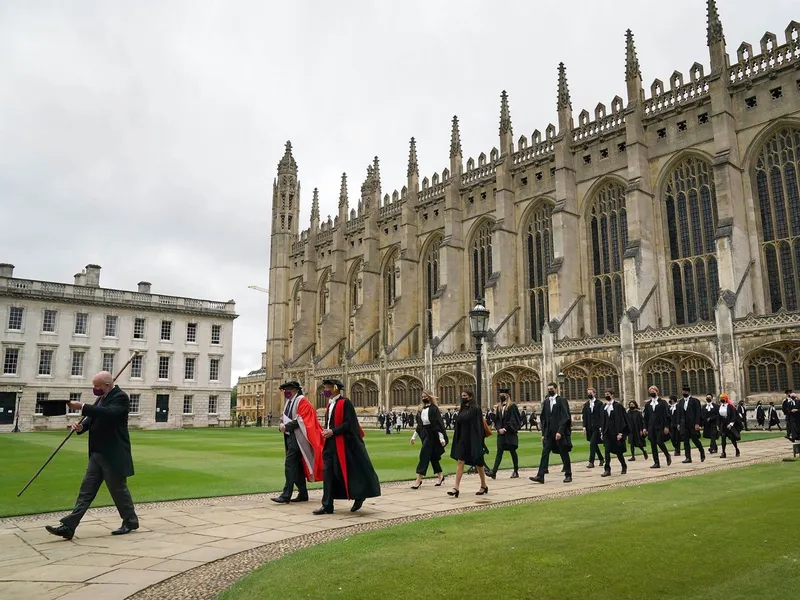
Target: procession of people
[{"x": 333, "y": 450}]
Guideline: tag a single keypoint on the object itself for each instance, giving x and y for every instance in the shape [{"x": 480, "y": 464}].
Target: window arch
[
  {"x": 580, "y": 376},
  {"x": 538, "y": 254},
  {"x": 608, "y": 228},
  {"x": 431, "y": 283},
  {"x": 389, "y": 281},
  {"x": 481, "y": 258},
  {"x": 364, "y": 394},
  {"x": 773, "y": 369},
  {"x": 324, "y": 292},
  {"x": 525, "y": 384},
  {"x": 450, "y": 386},
  {"x": 671, "y": 372},
  {"x": 354, "y": 286},
  {"x": 776, "y": 187},
  {"x": 691, "y": 215},
  {"x": 405, "y": 391},
  {"x": 296, "y": 303}
]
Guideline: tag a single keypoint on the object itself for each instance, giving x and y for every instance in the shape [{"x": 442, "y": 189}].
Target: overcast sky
[{"x": 144, "y": 135}]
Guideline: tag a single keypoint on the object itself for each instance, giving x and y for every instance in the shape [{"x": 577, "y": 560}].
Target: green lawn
[
  {"x": 729, "y": 535},
  {"x": 197, "y": 463}
]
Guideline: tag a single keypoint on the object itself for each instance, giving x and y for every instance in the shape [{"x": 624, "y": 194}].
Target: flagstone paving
[{"x": 192, "y": 549}]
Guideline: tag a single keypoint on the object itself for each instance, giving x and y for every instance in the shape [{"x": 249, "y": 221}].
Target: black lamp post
[
  {"x": 479, "y": 324},
  {"x": 258, "y": 409},
  {"x": 16, "y": 413}
]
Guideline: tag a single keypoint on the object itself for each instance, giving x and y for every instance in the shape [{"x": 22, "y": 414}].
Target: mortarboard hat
[
  {"x": 54, "y": 408},
  {"x": 335, "y": 382},
  {"x": 291, "y": 384}
]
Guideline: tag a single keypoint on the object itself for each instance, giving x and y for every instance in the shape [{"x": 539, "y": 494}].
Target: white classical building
[{"x": 56, "y": 336}]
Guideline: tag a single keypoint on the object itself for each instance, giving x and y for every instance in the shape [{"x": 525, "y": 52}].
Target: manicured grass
[
  {"x": 196, "y": 463},
  {"x": 729, "y": 535}
]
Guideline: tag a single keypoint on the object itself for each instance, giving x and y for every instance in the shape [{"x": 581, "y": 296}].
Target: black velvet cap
[
  {"x": 54, "y": 408},
  {"x": 335, "y": 382},
  {"x": 291, "y": 384}
]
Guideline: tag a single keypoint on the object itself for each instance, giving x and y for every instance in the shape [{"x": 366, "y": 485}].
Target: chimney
[
  {"x": 93, "y": 275},
  {"x": 80, "y": 278},
  {"x": 6, "y": 270},
  {"x": 144, "y": 287}
]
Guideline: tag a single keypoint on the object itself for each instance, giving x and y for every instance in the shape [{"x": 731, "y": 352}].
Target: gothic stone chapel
[{"x": 683, "y": 199}]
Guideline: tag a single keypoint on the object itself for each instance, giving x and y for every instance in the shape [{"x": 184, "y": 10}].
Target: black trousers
[
  {"x": 620, "y": 457},
  {"x": 727, "y": 436},
  {"x": 499, "y": 458},
  {"x": 293, "y": 469},
  {"x": 655, "y": 446},
  {"x": 551, "y": 445},
  {"x": 426, "y": 455},
  {"x": 694, "y": 437},
  {"x": 97, "y": 471},
  {"x": 594, "y": 446}
]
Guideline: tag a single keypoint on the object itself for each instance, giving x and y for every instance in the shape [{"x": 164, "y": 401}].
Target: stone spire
[
  {"x": 505, "y": 114},
  {"x": 564, "y": 101},
  {"x": 343, "y": 192},
  {"x": 715, "y": 34},
  {"x": 315, "y": 209},
  {"x": 632, "y": 70},
  {"x": 413, "y": 167},
  {"x": 455, "y": 139},
  {"x": 376, "y": 173},
  {"x": 287, "y": 165}
]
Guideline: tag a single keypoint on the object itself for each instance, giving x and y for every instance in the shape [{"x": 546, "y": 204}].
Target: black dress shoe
[
  {"x": 606, "y": 474},
  {"x": 492, "y": 474},
  {"x": 669, "y": 460},
  {"x": 568, "y": 479},
  {"x": 124, "y": 529},
  {"x": 590, "y": 466},
  {"x": 299, "y": 499},
  {"x": 514, "y": 475},
  {"x": 323, "y": 511},
  {"x": 655, "y": 466},
  {"x": 280, "y": 500},
  {"x": 687, "y": 461},
  {"x": 357, "y": 504},
  {"x": 624, "y": 471},
  {"x": 537, "y": 479},
  {"x": 62, "y": 531}
]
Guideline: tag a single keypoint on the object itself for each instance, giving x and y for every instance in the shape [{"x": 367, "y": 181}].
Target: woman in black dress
[
  {"x": 730, "y": 424},
  {"x": 468, "y": 446},
  {"x": 636, "y": 425},
  {"x": 430, "y": 428}
]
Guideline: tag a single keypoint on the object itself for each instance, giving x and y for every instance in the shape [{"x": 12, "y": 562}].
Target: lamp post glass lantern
[{"x": 479, "y": 323}]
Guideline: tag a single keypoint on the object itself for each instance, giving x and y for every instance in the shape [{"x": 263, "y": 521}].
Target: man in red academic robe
[
  {"x": 347, "y": 471},
  {"x": 302, "y": 437}
]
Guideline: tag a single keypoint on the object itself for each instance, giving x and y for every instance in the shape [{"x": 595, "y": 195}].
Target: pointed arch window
[
  {"x": 481, "y": 259},
  {"x": 296, "y": 304},
  {"x": 671, "y": 372},
  {"x": 538, "y": 253},
  {"x": 354, "y": 291},
  {"x": 608, "y": 228},
  {"x": 431, "y": 283},
  {"x": 323, "y": 295},
  {"x": 775, "y": 177},
  {"x": 389, "y": 282},
  {"x": 690, "y": 206}
]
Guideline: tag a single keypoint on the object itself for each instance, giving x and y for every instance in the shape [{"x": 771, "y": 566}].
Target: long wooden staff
[{"x": 69, "y": 435}]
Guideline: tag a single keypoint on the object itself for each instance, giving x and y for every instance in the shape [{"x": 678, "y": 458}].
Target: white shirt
[
  {"x": 686, "y": 403},
  {"x": 654, "y": 402},
  {"x": 426, "y": 421},
  {"x": 329, "y": 416},
  {"x": 723, "y": 409},
  {"x": 552, "y": 402},
  {"x": 591, "y": 404},
  {"x": 609, "y": 408}
]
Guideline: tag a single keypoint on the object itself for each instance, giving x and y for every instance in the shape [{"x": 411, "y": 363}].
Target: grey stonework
[{"x": 352, "y": 297}]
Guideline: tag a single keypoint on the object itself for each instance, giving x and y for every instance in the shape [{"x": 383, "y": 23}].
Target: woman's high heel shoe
[
  {"x": 416, "y": 487},
  {"x": 454, "y": 493},
  {"x": 441, "y": 481},
  {"x": 484, "y": 490}
]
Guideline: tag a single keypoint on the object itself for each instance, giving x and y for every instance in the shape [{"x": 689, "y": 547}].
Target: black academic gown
[
  {"x": 468, "y": 437},
  {"x": 107, "y": 424},
  {"x": 592, "y": 419},
  {"x": 613, "y": 425},
  {"x": 760, "y": 415},
  {"x": 510, "y": 420},
  {"x": 559, "y": 420},
  {"x": 732, "y": 416},
  {"x": 430, "y": 434},
  {"x": 635, "y": 426},
  {"x": 689, "y": 415},
  {"x": 710, "y": 412},
  {"x": 657, "y": 420},
  {"x": 357, "y": 470}
]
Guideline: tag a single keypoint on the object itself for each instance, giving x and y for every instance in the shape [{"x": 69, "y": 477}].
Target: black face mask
[
  {"x": 551, "y": 393},
  {"x": 653, "y": 395},
  {"x": 426, "y": 400},
  {"x": 608, "y": 398},
  {"x": 685, "y": 395},
  {"x": 590, "y": 396}
]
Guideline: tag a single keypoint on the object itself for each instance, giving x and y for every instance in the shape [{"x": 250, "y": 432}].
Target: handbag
[{"x": 487, "y": 431}]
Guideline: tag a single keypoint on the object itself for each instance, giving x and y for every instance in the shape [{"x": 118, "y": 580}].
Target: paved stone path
[{"x": 194, "y": 535}]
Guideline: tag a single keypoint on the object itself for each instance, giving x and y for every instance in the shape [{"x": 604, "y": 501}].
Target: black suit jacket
[
  {"x": 107, "y": 424},
  {"x": 558, "y": 420}
]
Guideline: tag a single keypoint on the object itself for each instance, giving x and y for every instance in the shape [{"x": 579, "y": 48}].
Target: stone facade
[
  {"x": 56, "y": 336},
  {"x": 251, "y": 396},
  {"x": 655, "y": 241}
]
